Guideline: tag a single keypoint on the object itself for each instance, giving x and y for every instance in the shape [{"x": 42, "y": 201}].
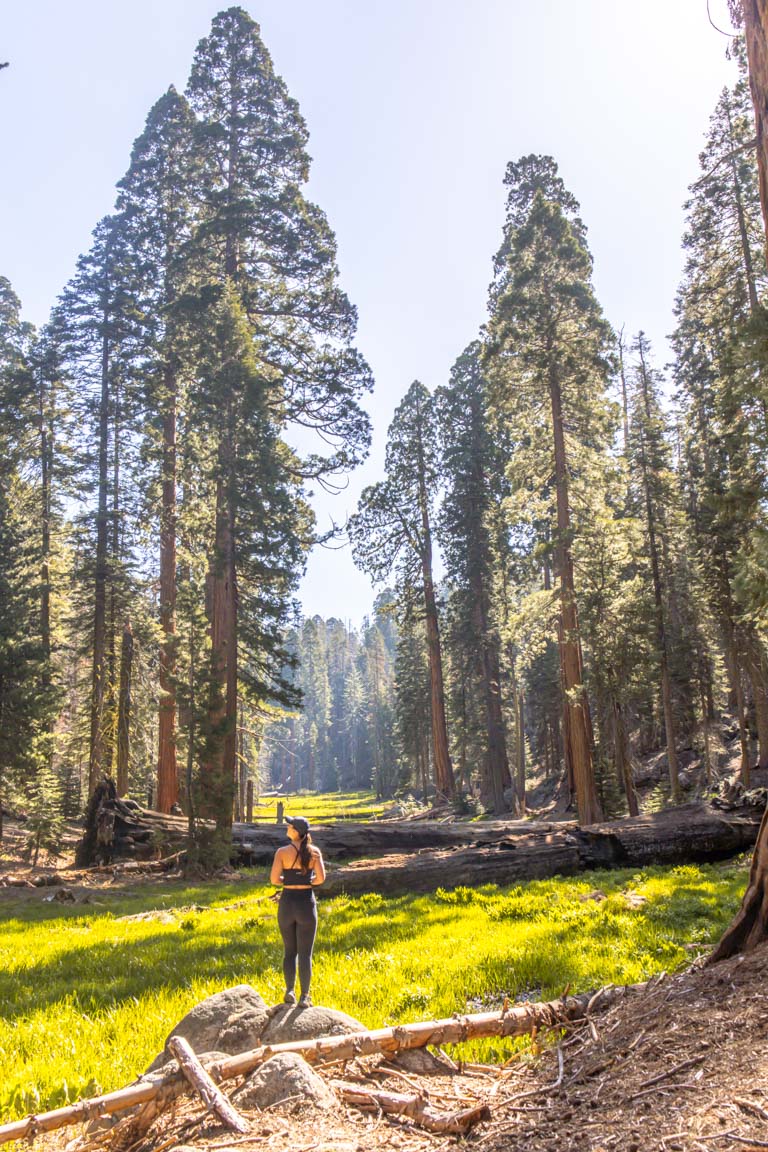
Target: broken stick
[
  {"x": 414, "y": 1107},
  {"x": 202, "y": 1083}
]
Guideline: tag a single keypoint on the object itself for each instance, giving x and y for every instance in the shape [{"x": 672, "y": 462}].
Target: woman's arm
[
  {"x": 275, "y": 876},
  {"x": 319, "y": 867}
]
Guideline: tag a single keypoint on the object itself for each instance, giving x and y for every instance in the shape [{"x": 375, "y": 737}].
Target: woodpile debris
[
  {"x": 151, "y": 1094},
  {"x": 673, "y": 1067}
]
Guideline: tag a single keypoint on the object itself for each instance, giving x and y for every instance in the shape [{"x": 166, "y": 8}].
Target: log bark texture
[
  {"x": 750, "y": 925},
  {"x": 688, "y": 834}
]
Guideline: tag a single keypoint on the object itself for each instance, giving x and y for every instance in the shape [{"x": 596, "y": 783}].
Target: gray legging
[{"x": 297, "y": 919}]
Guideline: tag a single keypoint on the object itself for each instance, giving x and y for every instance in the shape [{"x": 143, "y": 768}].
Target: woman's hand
[{"x": 319, "y": 867}]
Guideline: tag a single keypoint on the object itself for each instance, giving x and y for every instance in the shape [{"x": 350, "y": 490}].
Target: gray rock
[
  {"x": 230, "y": 1021},
  {"x": 282, "y": 1078},
  {"x": 421, "y": 1062},
  {"x": 293, "y": 1023}
]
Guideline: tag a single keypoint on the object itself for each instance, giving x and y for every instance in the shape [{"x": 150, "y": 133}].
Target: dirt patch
[{"x": 678, "y": 1069}]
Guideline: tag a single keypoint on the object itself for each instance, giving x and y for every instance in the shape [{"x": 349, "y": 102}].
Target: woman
[{"x": 299, "y": 867}]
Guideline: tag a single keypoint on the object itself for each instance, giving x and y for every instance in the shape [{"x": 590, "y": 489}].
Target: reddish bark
[
  {"x": 97, "y": 764},
  {"x": 577, "y": 724},
  {"x": 124, "y": 710},
  {"x": 444, "y": 781},
  {"x": 167, "y": 770}
]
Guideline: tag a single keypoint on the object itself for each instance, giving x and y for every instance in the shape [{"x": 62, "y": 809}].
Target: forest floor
[{"x": 676, "y": 1068}]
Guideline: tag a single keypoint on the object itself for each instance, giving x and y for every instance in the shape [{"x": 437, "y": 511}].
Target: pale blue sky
[{"x": 414, "y": 108}]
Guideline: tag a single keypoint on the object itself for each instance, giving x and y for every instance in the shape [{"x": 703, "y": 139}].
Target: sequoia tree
[
  {"x": 393, "y": 528},
  {"x": 471, "y": 468},
  {"x": 265, "y": 264},
  {"x": 548, "y": 359},
  {"x": 158, "y": 198},
  {"x": 750, "y": 926}
]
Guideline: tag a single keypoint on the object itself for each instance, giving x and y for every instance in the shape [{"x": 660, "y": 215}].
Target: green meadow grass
[
  {"x": 88, "y": 996},
  {"x": 321, "y": 806}
]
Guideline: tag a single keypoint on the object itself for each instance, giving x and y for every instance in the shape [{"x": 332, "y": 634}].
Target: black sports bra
[{"x": 297, "y": 877}]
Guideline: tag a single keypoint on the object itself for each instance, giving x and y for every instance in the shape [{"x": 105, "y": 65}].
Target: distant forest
[{"x": 601, "y": 516}]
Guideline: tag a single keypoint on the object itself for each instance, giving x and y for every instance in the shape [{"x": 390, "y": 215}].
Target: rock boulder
[
  {"x": 284, "y": 1077},
  {"x": 230, "y": 1021},
  {"x": 289, "y": 1022}
]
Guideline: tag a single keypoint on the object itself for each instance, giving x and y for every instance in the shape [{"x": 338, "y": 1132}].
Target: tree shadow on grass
[{"x": 98, "y": 975}]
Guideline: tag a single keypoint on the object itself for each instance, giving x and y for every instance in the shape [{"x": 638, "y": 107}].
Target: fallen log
[
  {"x": 690, "y": 833},
  {"x": 205, "y": 1087},
  {"x": 414, "y": 1106},
  {"x": 520, "y": 1020},
  {"x": 119, "y": 830},
  {"x": 420, "y": 856}
]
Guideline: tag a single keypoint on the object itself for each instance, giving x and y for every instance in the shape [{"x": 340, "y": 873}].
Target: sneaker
[
  {"x": 289, "y": 998},
  {"x": 305, "y": 1000}
]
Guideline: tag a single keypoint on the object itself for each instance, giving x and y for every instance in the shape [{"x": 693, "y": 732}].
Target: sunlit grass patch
[
  {"x": 324, "y": 807},
  {"x": 87, "y": 994}
]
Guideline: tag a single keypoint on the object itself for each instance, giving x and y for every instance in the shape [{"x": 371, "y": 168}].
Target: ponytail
[{"x": 305, "y": 852}]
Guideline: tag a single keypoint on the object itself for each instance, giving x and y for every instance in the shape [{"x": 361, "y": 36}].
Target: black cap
[{"x": 299, "y": 823}]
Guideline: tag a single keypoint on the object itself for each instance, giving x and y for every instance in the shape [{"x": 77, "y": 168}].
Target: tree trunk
[
  {"x": 757, "y": 676},
  {"x": 124, "y": 710},
  {"x": 96, "y": 765},
  {"x": 46, "y": 447},
  {"x": 424, "y": 758},
  {"x": 498, "y": 761},
  {"x": 520, "y": 774},
  {"x": 242, "y": 767},
  {"x": 111, "y": 705},
  {"x": 733, "y": 662},
  {"x": 217, "y": 773},
  {"x": 622, "y": 758},
  {"x": 575, "y": 703},
  {"x": 658, "y": 599},
  {"x": 750, "y": 926},
  {"x": 444, "y": 781},
  {"x": 167, "y": 769}
]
